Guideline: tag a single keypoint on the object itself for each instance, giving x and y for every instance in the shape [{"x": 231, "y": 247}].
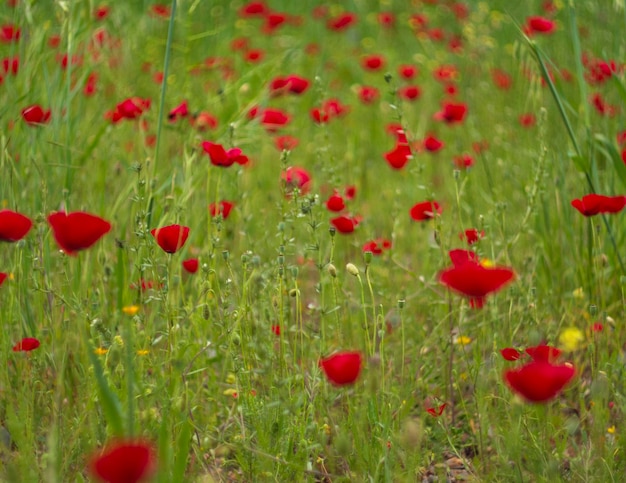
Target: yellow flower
[
  {"x": 231, "y": 378},
  {"x": 130, "y": 309},
  {"x": 578, "y": 293},
  {"x": 571, "y": 339},
  {"x": 611, "y": 430},
  {"x": 230, "y": 392},
  {"x": 463, "y": 340},
  {"x": 100, "y": 351},
  {"x": 143, "y": 352},
  {"x": 485, "y": 262}
]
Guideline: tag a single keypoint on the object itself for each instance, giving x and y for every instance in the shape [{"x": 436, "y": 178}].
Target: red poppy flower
[
  {"x": 203, "y": 121},
  {"x": 399, "y": 156},
  {"x": 101, "y": 12},
  {"x": 91, "y": 84},
  {"x": 3, "y": 277},
  {"x": 377, "y": 246},
  {"x": 191, "y": 265},
  {"x": 130, "y": 108},
  {"x": 341, "y": 22},
  {"x": 273, "y": 20},
  {"x": 601, "y": 106},
  {"x": 527, "y": 120},
  {"x": 254, "y": 55},
  {"x": 160, "y": 11},
  {"x": 222, "y": 208},
  {"x": 409, "y": 93},
  {"x": 368, "y": 94},
  {"x": 373, "y": 62},
  {"x": 9, "y": 33},
  {"x": 13, "y": 226},
  {"x": 350, "y": 192},
  {"x": 458, "y": 256},
  {"x": 475, "y": 281},
  {"x": 296, "y": 177},
  {"x": 171, "y": 238},
  {"x": 510, "y": 354},
  {"x": 220, "y": 157},
  {"x": 77, "y": 230},
  {"x": 286, "y": 143},
  {"x": 425, "y": 210},
  {"x": 345, "y": 224},
  {"x": 124, "y": 462},
  {"x": 335, "y": 202},
  {"x": 451, "y": 113},
  {"x": 11, "y": 65},
  {"x": 438, "y": 411},
  {"x": 543, "y": 353},
  {"x": 273, "y": 119},
  {"x": 26, "y": 345},
  {"x": 446, "y": 73},
  {"x": 35, "y": 115},
  {"x": 539, "y": 25},
  {"x": 254, "y": 9},
  {"x": 291, "y": 83},
  {"x": 471, "y": 235},
  {"x": 432, "y": 144},
  {"x": 463, "y": 161},
  {"x": 539, "y": 381},
  {"x": 501, "y": 79},
  {"x": 276, "y": 330},
  {"x": 342, "y": 368},
  {"x": 386, "y": 19},
  {"x": 593, "y": 204},
  {"x": 182, "y": 110},
  {"x": 407, "y": 71}
]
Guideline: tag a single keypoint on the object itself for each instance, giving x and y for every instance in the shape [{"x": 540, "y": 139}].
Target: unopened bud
[
  {"x": 332, "y": 270},
  {"x": 367, "y": 257},
  {"x": 352, "y": 269}
]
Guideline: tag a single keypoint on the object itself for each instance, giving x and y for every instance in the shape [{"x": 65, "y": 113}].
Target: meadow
[{"x": 309, "y": 241}]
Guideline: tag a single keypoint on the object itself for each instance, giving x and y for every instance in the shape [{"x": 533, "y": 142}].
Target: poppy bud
[{"x": 352, "y": 269}]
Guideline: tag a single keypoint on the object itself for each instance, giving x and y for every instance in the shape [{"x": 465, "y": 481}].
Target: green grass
[{"x": 197, "y": 370}]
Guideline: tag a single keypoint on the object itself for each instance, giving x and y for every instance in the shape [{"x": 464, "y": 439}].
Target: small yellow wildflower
[
  {"x": 143, "y": 352},
  {"x": 100, "y": 351},
  {"x": 578, "y": 293},
  {"x": 611, "y": 430},
  {"x": 463, "y": 340},
  {"x": 231, "y": 378},
  {"x": 130, "y": 309},
  {"x": 11, "y": 276},
  {"x": 485, "y": 262},
  {"x": 230, "y": 392},
  {"x": 571, "y": 339}
]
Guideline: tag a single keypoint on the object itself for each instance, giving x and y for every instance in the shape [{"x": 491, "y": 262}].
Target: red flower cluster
[
  {"x": 329, "y": 110},
  {"x": 293, "y": 84},
  {"x": 538, "y": 25}
]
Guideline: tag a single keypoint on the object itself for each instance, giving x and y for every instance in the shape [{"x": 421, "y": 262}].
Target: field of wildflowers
[{"x": 369, "y": 240}]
